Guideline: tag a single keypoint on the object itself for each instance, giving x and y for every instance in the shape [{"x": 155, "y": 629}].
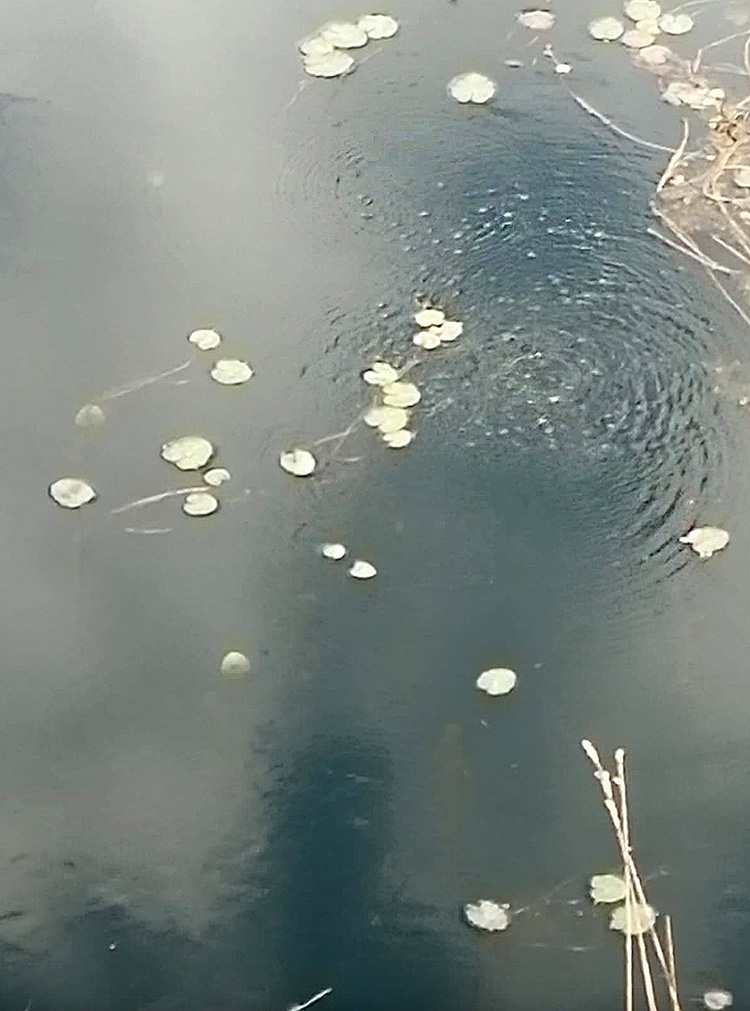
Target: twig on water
[
  {"x": 316, "y": 997},
  {"x": 730, "y": 247},
  {"x": 698, "y": 257},
  {"x": 148, "y": 530},
  {"x": 689, "y": 5},
  {"x": 674, "y": 160},
  {"x": 338, "y": 435},
  {"x": 139, "y": 384},
  {"x": 150, "y": 499},
  {"x": 587, "y": 107},
  {"x": 733, "y": 302},
  {"x": 712, "y": 45},
  {"x": 302, "y": 86}
]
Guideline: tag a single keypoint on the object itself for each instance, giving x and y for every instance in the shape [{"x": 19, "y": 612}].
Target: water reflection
[
  {"x": 171, "y": 841},
  {"x": 348, "y": 919}
]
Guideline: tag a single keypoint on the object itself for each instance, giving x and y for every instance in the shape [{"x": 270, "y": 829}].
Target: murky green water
[{"x": 173, "y": 840}]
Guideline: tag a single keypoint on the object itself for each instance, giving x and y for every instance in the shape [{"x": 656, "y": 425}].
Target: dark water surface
[{"x": 170, "y": 840}]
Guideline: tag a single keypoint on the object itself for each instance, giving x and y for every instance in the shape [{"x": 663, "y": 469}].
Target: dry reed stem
[
  {"x": 692, "y": 245},
  {"x": 605, "y": 782},
  {"x": 620, "y": 768},
  {"x": 744, "y": 242},
  {"x": 712, "y": 45},
  {"x": 732, "y": 249},
  {"x": 648, "y": 981},
  {"x": 670, "y": 949},
  {"x": 733, "y": 302},
  {"x": 676, "y": 230},
  {"x": 674, "y": 160},
  {"x": 698, "y": 257},
  {"x": 730, "y": 148},
  {"x": 587, "y": 107}
]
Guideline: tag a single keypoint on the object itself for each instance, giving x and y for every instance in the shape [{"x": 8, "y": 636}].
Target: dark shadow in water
[{"x": 335, "y": 915}]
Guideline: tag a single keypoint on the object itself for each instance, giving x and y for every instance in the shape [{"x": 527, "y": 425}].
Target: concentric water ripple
[{"x": 585, "y": 340}]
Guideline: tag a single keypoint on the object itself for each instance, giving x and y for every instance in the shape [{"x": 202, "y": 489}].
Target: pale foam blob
[
  {"x": 642, "y": 10},
  {"x": 190, "y": 452},
  {"x": 206, "y": 340},
  {"x": 344, "y": 35},
  {"x": 386, "y": 419},
  {"x": 427, "y": 339},
  {"x": 675, "y": 24},
  {"x": 299, "y": 462},
  {"x": 379, "y": 374},
  {"x": 607, "y": 888},
  {"x": 448, "y": 330},
  {"x": 392, "y": 419},
  {"x": 487, "y": 915},
  {"x": 315, "y": 45},
  {"x": 362, "y": 570},
  {"x": 399, "y": 439},
  {"x": 333, "y": 551},
  {"x": 471, "y": 87},
  {"x": 429, "y": 317},
  {"x": 71, "y": 492},
  {"x": 705, "y": 541},
  {"x": 497, "y": 681},
  {"x": 635, "y": 38},
  {"x": 717, "y": 1000},
  {"x": 231, "y": 371},
  {"x": 655, "y": 55},
  {"x": 333, "y": 64},
  {"x": 216, "y": 476},
  {"x": 640, "y": 920},
  {"x": 606, "y": 29},
  {"x": 378, "y": 26},
  {"x": 235, "y": 664},
  {"x": 200, "y": 503},
  {"x": 401, "y": 394},
  {"x": 90, "y": 416},
  {"x": 537, "y": 20},
  {"x": 696, "y": 96}
]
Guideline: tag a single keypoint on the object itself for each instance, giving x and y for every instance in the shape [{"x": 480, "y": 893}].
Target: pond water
[{"x": 174, "y": 839}]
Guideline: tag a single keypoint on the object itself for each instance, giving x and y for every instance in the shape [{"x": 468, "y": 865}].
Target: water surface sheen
[{"x": 175, "y": 840}]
